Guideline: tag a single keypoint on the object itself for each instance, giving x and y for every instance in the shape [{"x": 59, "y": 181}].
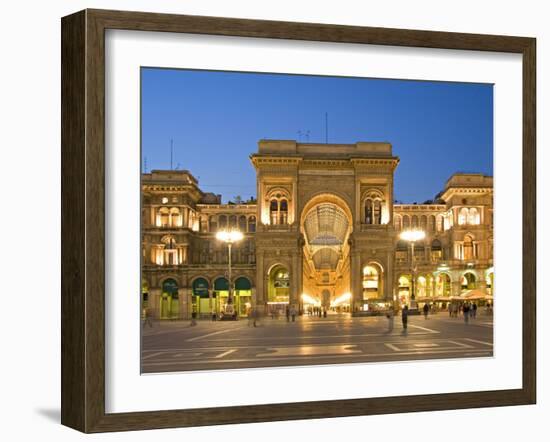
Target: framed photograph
[{"x": 267, "y": 221}]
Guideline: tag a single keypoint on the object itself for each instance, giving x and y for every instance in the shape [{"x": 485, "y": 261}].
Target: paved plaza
[{"x": 337, "y": 339}]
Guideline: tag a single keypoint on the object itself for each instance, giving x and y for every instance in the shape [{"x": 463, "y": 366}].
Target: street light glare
[
  {"x": 229, "y": 236},
  {"x": 412, "y": 235}
]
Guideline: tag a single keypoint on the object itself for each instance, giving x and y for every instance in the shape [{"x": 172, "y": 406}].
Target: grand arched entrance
[
  {"x": 278, "y": 290},
  {"x": 326, "y": 224}
]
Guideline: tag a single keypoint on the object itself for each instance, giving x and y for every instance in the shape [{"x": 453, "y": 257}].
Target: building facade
[{"x": 324, "y": 231}]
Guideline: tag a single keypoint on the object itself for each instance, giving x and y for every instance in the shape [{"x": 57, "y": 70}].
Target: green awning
[
  {"x": 200, "y": 287},
  {"x": 170, "y": 286},
  {"x": 242, "y": 284},
  {"x": 221, "y": 284}
]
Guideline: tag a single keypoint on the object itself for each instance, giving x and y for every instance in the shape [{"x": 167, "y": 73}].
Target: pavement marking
[
  {"x": 225, "y": 353},
  {"x": 196, "y": 338},
  {"x": 364, "y": 357},
  {"x": 424, "y": 328},
  {"x": 152, "y": 355},
  {"x": 460, "y": 344},
  {"x": 187, "y": 353},
  {"x": 237, "y": 347},
  {"x": 310, "y": 350},
  {"x": 393, "y": 347},
  {"x": 361, "y": 335},
  {"x": 426, "y": 345},
  {"x": 479, "y": 342}
]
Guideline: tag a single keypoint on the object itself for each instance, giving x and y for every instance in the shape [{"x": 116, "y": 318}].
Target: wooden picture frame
[{"x": 83, "y": 220}]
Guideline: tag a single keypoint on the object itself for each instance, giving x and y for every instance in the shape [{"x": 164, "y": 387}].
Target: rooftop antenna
[
  {"x": 145, "y": 164},
  {"x": 307, "y": 136},
  {"x": 171, "y": 154},
  {"x": 326, "y": 127}
]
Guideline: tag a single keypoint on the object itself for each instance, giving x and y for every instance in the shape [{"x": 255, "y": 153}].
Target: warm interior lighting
[
  {"x": 342, "y": 299},
  {"x": 310, "y": 300}
]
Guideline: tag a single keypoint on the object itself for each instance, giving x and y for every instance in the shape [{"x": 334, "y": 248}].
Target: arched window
[
  {"x": 175, "y": 217},
  {"x": 252, "y": 224},
  {"x": 414, "y": 222},
  {"x": 468, "y": 247},
  {"x": 222, "y": 219},
  {"x": 432, "y": 225},
  {"x": 163, "y": 217},
  {"x": 213, "y": 224},
  {"x": 171, "y": 253},
  {"x": 273, "y": 211},
  {"x": 397, "y": 222},
  {"x": 377, "y": 212},
  {"x": 242, "y": 223},
  {"x": 424, "y": 222},
  {"x": 440, "y": 221},
  {"x": 437, "y": 251},
  {"x": 203, "y": 223},
  {"x": 233, "y": 222},
  {"x": 283, "y": 211},
  {"x": 406, "y": 222},
  {"x": 368, "y": 211},
  {"x": 463, "y": 216},
  {"x": 473, "y": 216}
]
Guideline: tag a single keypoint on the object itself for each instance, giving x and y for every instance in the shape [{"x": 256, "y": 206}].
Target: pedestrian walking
[
  {"x": 390, "y": 315},
  {"x": 426, "y": 310},
  {"x": 466, "y": 312},
  {"x": 287, "y": 314},
  {"x": 474, "y": 310},
  {"x": 405, "y": 318},
  {"x": 293, "y": 313},
  {"x": 193, "y": 319}
]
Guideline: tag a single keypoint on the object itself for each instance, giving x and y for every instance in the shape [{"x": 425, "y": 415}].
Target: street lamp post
[
  {"x": 412, "y": 236},
  {"x": 229, "y": 237}
]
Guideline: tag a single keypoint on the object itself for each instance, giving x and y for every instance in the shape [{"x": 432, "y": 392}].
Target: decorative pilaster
[
  {"x": 356, "y": 289},
  {"x": 154, "y": 303}
]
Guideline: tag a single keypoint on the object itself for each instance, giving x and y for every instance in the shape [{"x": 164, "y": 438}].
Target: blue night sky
[{"x": 216, "y": 119}]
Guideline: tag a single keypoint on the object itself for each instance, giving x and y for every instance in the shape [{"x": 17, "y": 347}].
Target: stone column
[
  {"x": 389, "y": 279},
  {"x": 253, "y": 297},
  {"x": 295, "y": 281},
  {"x": 184, "y": 301},
  {"x": 261, "y": 287},
  {"x": 356, "y": 289},
  {"x": 481, "y": 285},
  {"x": 455, "y": 288},
  {"x": 154, "y": 302}
]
